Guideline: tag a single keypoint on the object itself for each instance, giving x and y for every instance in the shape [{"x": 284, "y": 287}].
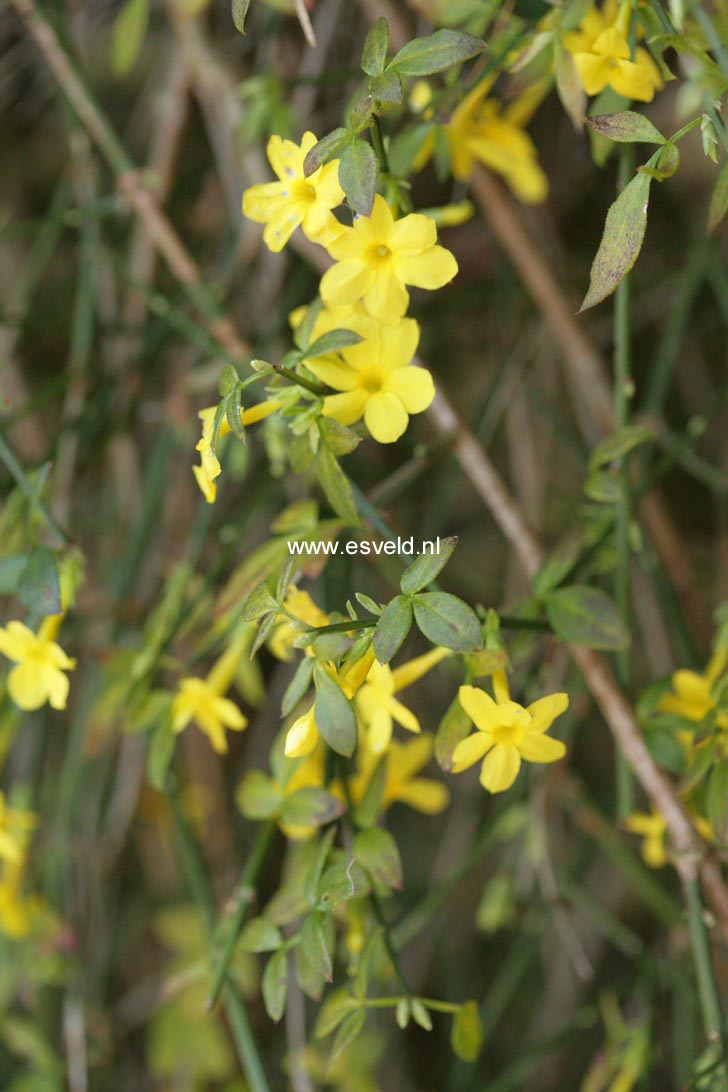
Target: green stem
[
  {"x": 314, "y": 388},
  {"x": 623, "y": 390},
  {"x": 707, "y": 990},
  {"x": 237, "y": 1015},
  {"x": 7, "y": 456},
  {"x": 246, "y": 890},
  {"x": 344, "y": 627}
]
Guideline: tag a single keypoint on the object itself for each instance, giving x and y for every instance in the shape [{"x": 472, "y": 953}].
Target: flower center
[
  {"x": 371, "y": 380},
  {"x": 304, "y": 191},
  {"x": 507, "y": 733},
  {"x": 378, "y": 254}
]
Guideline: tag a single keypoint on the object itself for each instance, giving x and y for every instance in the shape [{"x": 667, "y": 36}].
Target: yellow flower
[
  {"x": 403, "y": 762},
  {"x": 14, "y": 827},
  {"x": 377, "y": 706},
  {"x": 653, "y": 829},
  {"x": 376, "y": 379},
  {"x": 38, "y": 676},
  {"x": 202, "y": 700},
  {"x": 210, "y": 468},
  {"x": 691, "y": 692},
  {"x": 507, "y": 733},
  {"x": 309, "y": 773},
  {"x": 295, "y": 199},
  {"x": 603, "y": 58},
  {"x": 16, "y": 910},
  {"x": 303, "y": 735},
  {"x": 378, "y": 256},
  {"x": 302, "y": 605}
]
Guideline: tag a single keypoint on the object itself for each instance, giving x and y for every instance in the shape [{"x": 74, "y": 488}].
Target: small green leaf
[
  {"x": 454, "y": 727},
  {"x": 376, "y": 851},
  {"x": 339, "y": 439},
  {"x": 392, "y": 628},
  {"x": 336, "y": 886},
  {"x": 718, "y": 199},
  {"x": 315, "y": 945},
  {"x": 38, "y": 585},
  {"x": 426, "y": 567},
  {"x": 336, "y": 486},
  {"x": 376, "y": 44},
  {"x": 402, "y": 1013},
  {"x": 559, "y": 563},
  {"x": 311, "y": 807},
  {"x": 239, "y": 11},
  {"x": 258, "y": 797},
  {"x": 668, "y": 161},
  {"x": 11, "y": 569},
  {"x": 358, "y": 170},
  {"x": 335, "y": 1008},
  {"x": 420, "y": 1015},
  {"x": 332, "y": 341},
  {"x": 386, "y": 88},
  {"x": 467, "y": 1032},
  {"x": 275, "y": 985},
  {"x": 260, "y": 935},
  {"x": 627, "y": 127},
  {"x": 264, "y": 631},
  {"x": 298, "y": 685},
  {"x": 621, "y": 243},
  {"x": 127, "y": 36},
  {"x": 325, "y": 150},
  {"x": 259, "y": 603},
  {"x": 368, "y": 603},
  {"x": 586, "y": 616},
  {"x": 448, "y": 621},
  {"x": 435, "y": 53},
  {"x": 229, "y": 380},
  {"x": 234, "y": 410},
  {"x": 159, "y": 754},
  {"x": 347, "y": 1033},
  {"x": 334, "y": 714},
  {"x": 619, "y": 444}
]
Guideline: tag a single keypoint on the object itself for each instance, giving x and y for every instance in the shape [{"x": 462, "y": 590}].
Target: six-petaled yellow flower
[
  {"x": 379, "y": 256},
  {"x": 376, "y": 379},
  {"x": 507, "y": 733},
  {"x": 40, "y": 664},
  {"x": 203, "y": 701},
  {"x": 603, "y": 57},
  {"x": 295, "y": 200}
]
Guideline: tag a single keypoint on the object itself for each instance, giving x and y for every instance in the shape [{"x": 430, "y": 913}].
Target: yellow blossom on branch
[
  {"x": 39, "y": 675},
  {"x": 209, "y": 468},
  {"x": 507, "y": 733},
  {"x": 402, "y": 785},
  {"x": 379, "y": 256},
  {"x": 603, "y": 57},
  {"x": 379, "y": 708},
  {"x": 300, "y": 604},
  {"x": 691, "y": 694},
  {"x": 376, "y": 379},
  {"x": 295, "y": 200},
  {"x": 203, "y": 701},
  {"x": 303, "y": 735},
  {"x": 653, "y": 830}
]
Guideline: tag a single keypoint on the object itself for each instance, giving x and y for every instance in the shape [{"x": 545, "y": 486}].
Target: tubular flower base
[
  {"x": 38, "y": 676},
  {"x": 507, "y": 733}
]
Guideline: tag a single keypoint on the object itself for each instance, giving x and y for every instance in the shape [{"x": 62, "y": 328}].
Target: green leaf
[
  {"x": 315, "y": 945},
  {"x": 336, "y": 486},
  {"x": 668, "y": 161},
  {"x": 259, "y": 603},
  {"x": 347, "y": 1033},
  {"x": 376, "y": 44},
  {"x": 386, "y": 88},
  {"x": 339, "y": 439},
  {"x": 559, "y": 563},
  {"x": 358, "y": 170},
  {"x": 332, "y": 341},
  {"x": 239, "y": 11},
  {"x": 258, "y": 797},
  {"x": 467, "y": 1032},
  {"x": 392, "y": 628},
  {"x": 718, "y": 199},
  {"x": 38, "y": 586},
  {"x": 425, "y": 568},
  {"x": 454, "y": 727},
  {"x": 420, "y": 1015},
  {"x": 368, "y": 603},
  {"x": 334, "y": 714},
  {"x": 264, "y": 631},
  {"x": 11, "y": 569},
  {"x": 627, "y": 127},
  {"x": 159, "y": 754},
  {"x": 376, "y": 851},
  {"x": 621, "y": 242},
  {"x": 298, "y": 685},
  {"x": 337, "y": 885},
  {"x": 359, "y": 114},
  {"x": 229, "y": 380},
  {"x": 260, "y": 935},
  {"x": 369, "y": 807},
  {"x": 127, "y": 36},
  {"x": 325, "y": 150},
  {"x": 435, "y": 53},
  {"x": 233, "y": 411},
  {"x": 335, "y": 1008},
  {"x": 448, "y": 621},
  {"x": 586, "y": 616},
  {"x": 619, "y": 444},
  {"x": 311, "y": 807},
  {"x": 275, "y": 985}
]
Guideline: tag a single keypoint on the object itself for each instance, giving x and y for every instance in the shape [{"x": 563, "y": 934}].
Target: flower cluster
[{"x": 603, "y": 56}]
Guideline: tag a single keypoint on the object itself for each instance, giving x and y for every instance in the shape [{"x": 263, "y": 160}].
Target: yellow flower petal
[
  {"x": 346, "y": 408},
  {"x": 347, "y": 280},
  {"x": 431, "y": 269},
  {"x": 546, "y": 710},
  {"x": 500, "y": 768},
  {"x": 470, "y": 750},
  {"x": 412, "y": 234},
  {"x": 541, "y": 748},
  {"x": 423, "y": 794},
  {"x": 385, "y": 417},
  {"x": 480, "y": 707},
  {"x": 413, "y": 386},
  {"x": 302, "y": 736}
]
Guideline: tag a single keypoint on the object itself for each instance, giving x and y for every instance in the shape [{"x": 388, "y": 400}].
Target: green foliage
[
  {"x": 621, "y": 242},
  {"x": 586, "y": 616}
]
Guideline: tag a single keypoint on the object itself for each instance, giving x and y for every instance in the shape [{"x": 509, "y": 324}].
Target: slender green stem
[
  {"x": 623, "y": 390},
  {"x": 7, "y": 456},
  {"x": 301, "y": 381},
  {"x": 344, "y": 627},
  {"x": 707, "y": 989},
  {"x": 245, "y": 893}
]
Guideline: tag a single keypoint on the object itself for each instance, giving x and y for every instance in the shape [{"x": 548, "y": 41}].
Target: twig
[{"x": 305, "y": 20}]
